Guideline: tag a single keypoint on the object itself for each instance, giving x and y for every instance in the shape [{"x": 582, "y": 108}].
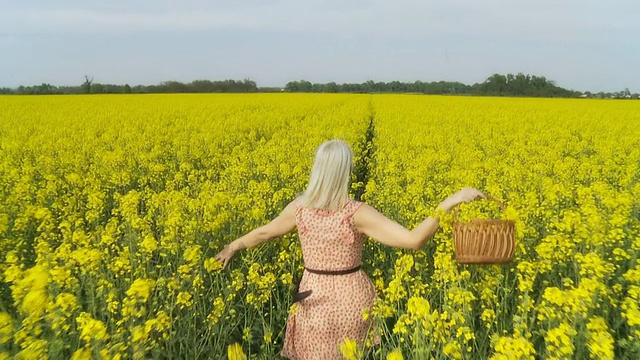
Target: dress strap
[
  {"x": 298, "y": 218},
  {"x": 346, "y": 220},
  {"x": 354, "y": 206}
]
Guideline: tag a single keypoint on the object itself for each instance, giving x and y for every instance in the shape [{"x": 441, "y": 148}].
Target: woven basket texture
[{"x": 484, "y": 241}]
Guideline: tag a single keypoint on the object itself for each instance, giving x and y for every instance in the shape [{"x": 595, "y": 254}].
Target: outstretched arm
[
  {"x": 386, "y": 231},
  {"x": 284, "y": 223}
]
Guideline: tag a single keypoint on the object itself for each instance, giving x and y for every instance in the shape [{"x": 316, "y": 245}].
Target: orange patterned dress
[{"x": 332, "y": 312}]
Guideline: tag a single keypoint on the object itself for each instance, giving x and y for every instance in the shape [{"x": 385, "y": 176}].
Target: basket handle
[{"x": 489, "y": 197}]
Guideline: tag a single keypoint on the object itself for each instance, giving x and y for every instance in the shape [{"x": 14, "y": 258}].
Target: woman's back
[
  {"x": 330, "y": 240},
  {"x": 336, "y": 290}
]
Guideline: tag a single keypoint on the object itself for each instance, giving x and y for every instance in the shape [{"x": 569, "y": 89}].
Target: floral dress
[{"x": 332, "y": 312}]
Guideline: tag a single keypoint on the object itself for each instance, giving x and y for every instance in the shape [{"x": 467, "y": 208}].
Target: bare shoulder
[
  {"x": 290, "y": 209},
  {"x": 364, "y": 215}
]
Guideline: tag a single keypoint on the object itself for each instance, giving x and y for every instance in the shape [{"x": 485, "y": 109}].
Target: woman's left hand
[{"x": 225, "y": 255}]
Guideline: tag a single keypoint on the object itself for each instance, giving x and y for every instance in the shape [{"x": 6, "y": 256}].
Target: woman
[{"x": 333, "y": 291}]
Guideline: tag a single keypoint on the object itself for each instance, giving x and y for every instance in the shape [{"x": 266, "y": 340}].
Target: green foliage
[
  {"x": 495, "y": 85},
  {"x": 522, "y": 85}
]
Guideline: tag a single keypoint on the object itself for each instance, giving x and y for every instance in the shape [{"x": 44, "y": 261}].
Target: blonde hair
[{"x": 328, "y": 187}]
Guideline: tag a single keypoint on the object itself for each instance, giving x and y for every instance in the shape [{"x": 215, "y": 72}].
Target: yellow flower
[
  {"x": 286, "y": 278},
  {"x": 6, "y": 327},
  {"x": 140, "y": 289},
  {"x": 161, "y": 324},
  {"x": 35, "y": 349},
  {"x": 488, "y": 317},
  {"x": 452, "y": 349},
  {"x": 217, "y": 311},
  {"x": 90, "y": 328},
  {"x": 507, "y": 348},
  {"x": 234, "y": 352},
  {"x": 66, "y": 302},
  {"x": 559, "y": 341},
  {"x": 149, "y": 244},
  {"x": 349, "y": 348},
  {"x": 396, "y": 354},
  {"x": 31, "y": 291},
  {"x": 184, "y": 299},
  {"x": 418, "y": 307},
  {"x": 192, "y": 254},
  {"x": 35, "y": 302},
  {"x": 212, "y": 265},
  {"x": 401, "y": 325},
  {"x": 82, "y": 354},
  {"x": 600, "y": 340},
  {"x": 267, "y": 336}
]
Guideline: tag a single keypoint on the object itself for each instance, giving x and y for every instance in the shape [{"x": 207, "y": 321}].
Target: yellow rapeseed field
[{"x": 112, "y": 208}]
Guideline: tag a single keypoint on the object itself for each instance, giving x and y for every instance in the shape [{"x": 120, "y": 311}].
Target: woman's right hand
[
  {"x": 465, "y": 195},
  {"x": 225, "y": 255}
]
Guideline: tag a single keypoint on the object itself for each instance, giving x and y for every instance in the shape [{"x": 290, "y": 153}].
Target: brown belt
[{"x": 297, "y": 296}]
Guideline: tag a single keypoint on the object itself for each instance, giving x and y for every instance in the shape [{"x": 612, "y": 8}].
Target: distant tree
[
  {"x": 139, "y": 89},
  {"x": 97, "y": 88},
  {"x": 127, "y": 89},
  {"x": 42, "y": 89},
  {"x": 396, "y": 86},
  {"x": 520, "y": 85},
  {"x": 318, "y": 88},
  {"x": 369, "y": 86},
  {"x": 269, "y": 89},
  {"x": 331, "y": 87},
  {"x": 417, "y": 86},
  {"x": 538, "y": 83},
  {"x": 173, "y": 87},
  {"x": 299, "y": 86},
  {"x": 202, "y": 86},
  {"x": 86, "y": 85},
  {"x": 292, "y": 86},
  {"x": 305, "y": 86},
  {"x": 249, "y": 85},
  {"x": 496, "y": 84}
]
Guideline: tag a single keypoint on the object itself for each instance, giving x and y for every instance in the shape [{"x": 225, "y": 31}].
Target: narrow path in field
[{"x": 363, "y": 167}]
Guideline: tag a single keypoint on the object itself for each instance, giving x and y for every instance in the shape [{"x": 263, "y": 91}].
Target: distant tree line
[
  {"x": 440, "y": 87},
  {"x": 90, "y": 87},
  {"x": 494, "y": 85},
  {"x": 625, "y": 94}
]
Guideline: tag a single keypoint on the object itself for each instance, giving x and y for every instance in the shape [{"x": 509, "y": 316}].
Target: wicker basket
[{"x": 484, "y": 241}]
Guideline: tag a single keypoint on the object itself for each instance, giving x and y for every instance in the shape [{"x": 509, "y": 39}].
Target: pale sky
[{"x": 582, "y": 45}]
